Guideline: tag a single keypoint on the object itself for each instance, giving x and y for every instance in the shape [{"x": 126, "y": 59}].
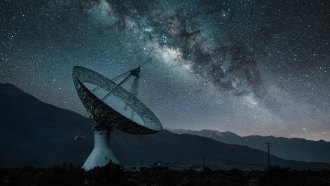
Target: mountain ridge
[
  {"x": 299, "y": 149},
  {"x": 38, "y": 134}
]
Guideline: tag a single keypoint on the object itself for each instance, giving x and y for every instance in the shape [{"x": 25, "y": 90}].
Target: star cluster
[{"x": 251, "y": 67}]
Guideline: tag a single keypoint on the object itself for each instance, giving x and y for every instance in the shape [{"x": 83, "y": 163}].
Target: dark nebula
[{"x": 252, "y": 67}]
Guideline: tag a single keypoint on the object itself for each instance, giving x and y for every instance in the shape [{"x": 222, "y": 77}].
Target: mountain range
[
  {"x": 288, "y": 148},
  {"x": 33, "y": 133}
]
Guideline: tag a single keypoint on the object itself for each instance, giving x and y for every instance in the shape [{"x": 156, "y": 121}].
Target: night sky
[{"x": 253, "y": 67}]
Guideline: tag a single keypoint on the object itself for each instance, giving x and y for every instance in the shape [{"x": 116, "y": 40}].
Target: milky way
[{"x": 252, "y": 67}]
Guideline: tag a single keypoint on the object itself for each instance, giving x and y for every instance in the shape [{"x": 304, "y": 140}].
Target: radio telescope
[{"x": 112, "y": 107}]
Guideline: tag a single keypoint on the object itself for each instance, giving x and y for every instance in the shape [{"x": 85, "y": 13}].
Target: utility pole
[
  {"x": 268, "y": 154},
  {"x": 203, "y": 163}
]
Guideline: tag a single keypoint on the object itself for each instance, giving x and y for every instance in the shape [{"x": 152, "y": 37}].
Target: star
[{"x": 245, "y": 66}]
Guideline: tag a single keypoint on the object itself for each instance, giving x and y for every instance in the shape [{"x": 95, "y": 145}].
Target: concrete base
[{"x": 101, "y": 154}]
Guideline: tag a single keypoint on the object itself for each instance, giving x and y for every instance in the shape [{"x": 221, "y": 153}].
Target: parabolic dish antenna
[{"x": 112, "y": 107}]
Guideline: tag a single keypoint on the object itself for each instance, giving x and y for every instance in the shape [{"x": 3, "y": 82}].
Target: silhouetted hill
[
  {"x": 287, "y": 148},
  {"x": 38, "y": 134},
  {"x": 185, "y": 149}
]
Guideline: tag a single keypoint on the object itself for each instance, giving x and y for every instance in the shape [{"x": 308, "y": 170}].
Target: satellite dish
[{"x": 112, "y": 107}]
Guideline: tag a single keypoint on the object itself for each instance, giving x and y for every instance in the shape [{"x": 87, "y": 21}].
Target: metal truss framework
[{"x": 104, "y": 116}]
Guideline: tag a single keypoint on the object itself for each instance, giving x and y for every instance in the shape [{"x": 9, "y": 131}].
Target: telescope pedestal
[{"x": 102, "y": 153}]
